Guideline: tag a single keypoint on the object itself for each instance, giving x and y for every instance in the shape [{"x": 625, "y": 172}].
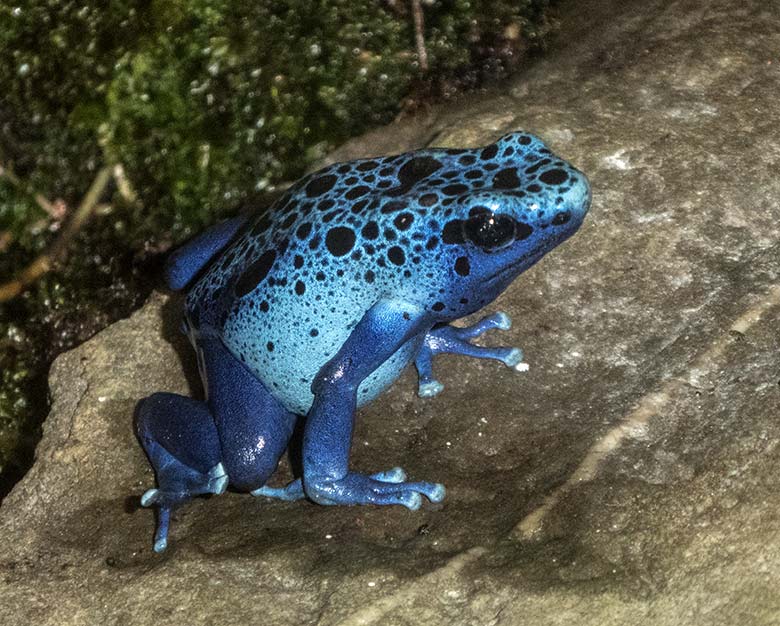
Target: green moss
[
  {"x": 204, "y": 103},
  {"x": 225, "y": 101}
]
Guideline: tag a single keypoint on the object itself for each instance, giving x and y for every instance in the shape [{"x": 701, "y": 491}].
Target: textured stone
[{"x": 631, "y": 476}]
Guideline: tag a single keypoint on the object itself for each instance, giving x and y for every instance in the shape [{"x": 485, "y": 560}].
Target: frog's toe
[
  {"x": 437, "y": 493},
  {"x": 494, "y": 321},
  {"x": 410, "y": 499},
  {"x": 503, "y": 321},
  {"x": 160, "y": 544},
  {"x": 288, "y": 493},
  {"x": 394, "y": 475},
  {"x": 161, "y": 534},
  {"x": 430, "y": 389},
  {"x": 513, "y": 358},
  {"x": 164, "y": 505},
  {"x": 217, "y": 479},
  {"x": 150, "y": 497}
]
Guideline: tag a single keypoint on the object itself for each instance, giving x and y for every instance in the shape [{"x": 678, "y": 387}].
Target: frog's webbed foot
[
  {"x": 294, "y": 490},
  {"x": 382, "y": 488},
  {"x": 181, "y": 484},
  {"x": 291, "y": 491},
  {"x": 458, "y": 341}
]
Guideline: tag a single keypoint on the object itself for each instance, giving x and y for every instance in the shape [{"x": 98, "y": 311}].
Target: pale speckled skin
[
  {"x": 332, "y": 306},
  {"x": 319, "y": 302}
]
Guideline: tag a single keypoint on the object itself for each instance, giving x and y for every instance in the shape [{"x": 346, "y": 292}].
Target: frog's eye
[{"x": 489, "y": 231}]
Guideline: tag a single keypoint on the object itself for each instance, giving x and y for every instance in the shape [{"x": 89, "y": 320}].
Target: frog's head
[{"x": 496, "y": 232}]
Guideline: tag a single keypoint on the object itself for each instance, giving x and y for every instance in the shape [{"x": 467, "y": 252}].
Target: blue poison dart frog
[{"x": 313, "y": 306}]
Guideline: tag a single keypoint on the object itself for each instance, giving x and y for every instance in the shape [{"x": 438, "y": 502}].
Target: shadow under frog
[{"x": 314, "y": 306}]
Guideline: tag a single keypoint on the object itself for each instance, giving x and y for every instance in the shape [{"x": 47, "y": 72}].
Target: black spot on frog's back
[
  {"x": 553, "y": 177},
  {"x": 403, "y": 221},
  {"x": 366, "y": 166},
  {"x": 489, "y": 153},
  {"x": 413, "y": 171},
  {"x": 357, "y": 192},
  {"x": 320, "y": 185},
  {"x": 340, "y": 240},
  {"x": 255, "y": 273},
  {"x": 396, "y": 255},
  {"x": 370, "y": 230},
  {"x": 506, "y": 179}
]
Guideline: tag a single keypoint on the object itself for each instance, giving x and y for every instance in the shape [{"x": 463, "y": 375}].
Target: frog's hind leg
[
  {"x": 254, "y": 428},
  {"x": 180, "y": 438},
  {"x": 194, "y": 447},
  {"x": 456, "y": 340}
]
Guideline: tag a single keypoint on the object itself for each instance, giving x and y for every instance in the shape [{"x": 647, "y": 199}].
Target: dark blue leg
[
  {"x": 328, "y": 434},
  {"x": 457, "y": 341},
  {"x": 180, "y": 439},
  {"x": 254, "y": 429},
  {"x": 240, "y": 433}
]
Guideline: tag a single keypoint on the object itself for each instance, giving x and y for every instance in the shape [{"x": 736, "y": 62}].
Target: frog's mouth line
[
  {"x": 502, "y": 274},
  {"x": 527, "y": 260},
  {"x": 516, "y": 267}
]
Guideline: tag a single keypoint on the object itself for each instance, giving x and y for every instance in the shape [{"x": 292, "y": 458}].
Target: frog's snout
[{"x": 579, "y": 197}]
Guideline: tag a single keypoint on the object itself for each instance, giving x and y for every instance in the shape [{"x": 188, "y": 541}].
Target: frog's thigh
[
  {"x": 170, "y": 425},
  {"x": 254, "y": 428}
]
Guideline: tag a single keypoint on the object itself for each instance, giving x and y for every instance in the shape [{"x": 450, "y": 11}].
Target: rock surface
[{"x": 631, "y": 476}]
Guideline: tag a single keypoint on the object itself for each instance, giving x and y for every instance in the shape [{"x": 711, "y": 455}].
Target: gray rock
[{"x": 631, "y": 476}]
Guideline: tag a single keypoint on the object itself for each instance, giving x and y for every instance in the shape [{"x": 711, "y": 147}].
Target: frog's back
[{"x": 285, "y": 295}]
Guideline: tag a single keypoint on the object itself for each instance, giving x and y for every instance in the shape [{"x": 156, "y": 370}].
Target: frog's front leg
[
  {"x": 455, "y": 340},
  {"x": 328, "y": 433}
]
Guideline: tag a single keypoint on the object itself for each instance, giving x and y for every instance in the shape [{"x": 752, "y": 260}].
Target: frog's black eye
[{"x": 489, "y": 231}]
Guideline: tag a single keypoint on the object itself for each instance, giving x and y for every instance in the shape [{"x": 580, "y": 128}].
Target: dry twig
[
  {"x": 44, "y": 262},
  {"x": 419, "y": 34},
  {"x": 52, "y": 208}
]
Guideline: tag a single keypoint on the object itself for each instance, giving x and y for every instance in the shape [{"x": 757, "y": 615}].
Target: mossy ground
[{"x": 205, "y": 104}]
